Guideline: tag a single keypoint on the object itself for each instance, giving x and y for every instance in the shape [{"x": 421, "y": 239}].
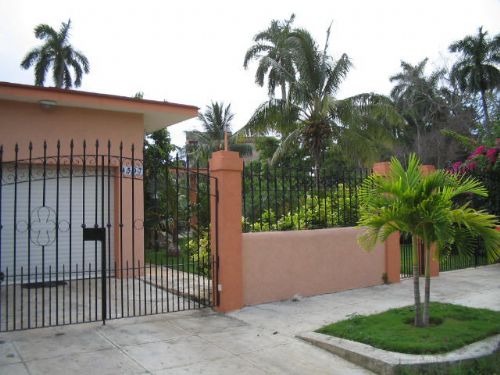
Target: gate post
[
  {"x": 392, "y": 245},
  {"x": 225, "y": 208}
]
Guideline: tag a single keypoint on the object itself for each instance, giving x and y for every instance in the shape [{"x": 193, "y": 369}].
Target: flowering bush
[
  {"x": 483, "y": 159},
  {"x": 199, "y": 250}
]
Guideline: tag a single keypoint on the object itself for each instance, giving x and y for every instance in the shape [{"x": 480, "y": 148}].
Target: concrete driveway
[{"x": 255, "y": 340}]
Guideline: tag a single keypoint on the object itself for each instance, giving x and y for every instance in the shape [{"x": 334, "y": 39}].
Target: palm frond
[{"x": 288, "y": 144}]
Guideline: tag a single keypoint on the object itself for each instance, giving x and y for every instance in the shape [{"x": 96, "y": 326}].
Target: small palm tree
[
  {"x": 424, "y": 207},
  {"x": 58, "y": 53},
  {"x": 476, "y": 70}
]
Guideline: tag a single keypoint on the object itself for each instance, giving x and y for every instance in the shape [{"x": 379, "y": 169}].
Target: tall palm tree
[
  {"x": 476, "y": 70},
  {"x": 216, "y": 120},
  {"x": 311, "y": 117},
  {"x": 272, "y": 50},
  {"x": 425, "y": 207},
  {"x": 417, "y": 97},
  {"x": 58, "y": 53}
]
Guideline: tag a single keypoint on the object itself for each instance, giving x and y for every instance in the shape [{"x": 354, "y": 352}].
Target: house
[{"x": 72, "y": 161}]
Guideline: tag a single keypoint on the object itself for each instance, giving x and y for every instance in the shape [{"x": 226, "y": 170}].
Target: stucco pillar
[
  {"x": 392, "y": 246},
  {"x": 427, "y": 169},
  {"x": 227, "y": 167}
]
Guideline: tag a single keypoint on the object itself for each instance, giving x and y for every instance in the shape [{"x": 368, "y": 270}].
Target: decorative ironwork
[
  {"x": 43, "y": 226},
  {"x": 152, "y": 255},
  {"x": 138, "y": 224},
  {"x": 77, "y": 166}
]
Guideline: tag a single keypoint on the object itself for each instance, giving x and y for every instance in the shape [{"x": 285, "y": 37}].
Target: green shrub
[
  {"x": 199, "y": 252},
  {"x": 323, "y": 211}
]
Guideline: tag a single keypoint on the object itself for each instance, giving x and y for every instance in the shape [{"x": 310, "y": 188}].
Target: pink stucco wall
[
  {"x": 278, "y": 265},
  {"x": 24, "y": 122}
]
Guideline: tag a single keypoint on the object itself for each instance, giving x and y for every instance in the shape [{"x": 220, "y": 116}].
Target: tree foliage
[
  {"x": 216, "y": 120},
  {"x": 309, "y": 116},
  {"x": 273, "y": 51},
  {"x": 476, "y": 70},
  {"x": 58, "y": 53},
  {"x": 437, "y": 116}
]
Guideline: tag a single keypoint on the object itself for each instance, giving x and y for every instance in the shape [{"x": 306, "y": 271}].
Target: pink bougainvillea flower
[
  {"x": 471, "y": 166},
  {"x": 478, "y": 151},
  {"x": 491, "y": 154},
  {"x": 455, "y": 167}
]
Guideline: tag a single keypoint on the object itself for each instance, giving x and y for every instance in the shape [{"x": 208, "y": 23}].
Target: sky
[{"x": 192, "y": 52}]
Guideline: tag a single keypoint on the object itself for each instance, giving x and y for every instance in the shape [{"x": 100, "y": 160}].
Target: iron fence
[
  {"x": 285, "y": 198},
  {"x": 449, "y": 259},
  {"x": 453, "y": 260},
  {"x": 90, "y": 232}
]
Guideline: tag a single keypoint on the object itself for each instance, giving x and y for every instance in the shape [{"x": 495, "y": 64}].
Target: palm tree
[
  {"x": 311, "y": 117},
  {"x": 272, "y": 50},
  {"x": 216, "y": 120},
  {"x": 417, "y": 97},
  {"x": 58, "y": 53},
  {"x": 424, "y": 207},
  {"x": 476, "y": 70}
]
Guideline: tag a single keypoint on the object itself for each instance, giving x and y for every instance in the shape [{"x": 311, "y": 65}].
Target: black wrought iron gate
[{"x": 93, "y": 232}]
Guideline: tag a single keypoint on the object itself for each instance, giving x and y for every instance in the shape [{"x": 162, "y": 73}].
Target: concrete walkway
[{"x": 255, "y": 340}]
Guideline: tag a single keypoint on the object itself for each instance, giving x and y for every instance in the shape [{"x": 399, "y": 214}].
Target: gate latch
[{"x": 94, "y": 234}]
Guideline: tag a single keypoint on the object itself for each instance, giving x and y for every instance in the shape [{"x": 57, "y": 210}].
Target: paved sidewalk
[{"x": 255, "y": 340}]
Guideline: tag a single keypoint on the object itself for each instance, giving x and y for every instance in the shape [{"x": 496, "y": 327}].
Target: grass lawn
[
  {"x": 452, "y": 326},
  {"x": 181, "y": 262}
]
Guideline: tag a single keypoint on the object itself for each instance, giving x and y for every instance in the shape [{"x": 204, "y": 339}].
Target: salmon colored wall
[
  {"x": 24, "y": 122},
  {"x": 393, "y": 258},
  {"x": 278, "y": 265}
]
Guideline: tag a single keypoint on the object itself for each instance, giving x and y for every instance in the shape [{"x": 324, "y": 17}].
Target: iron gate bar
[
  {"x": 15, "y": 226},
  {"x": 108, "y": 224},
  {"x": 217, "y": 263},
  {"x": 1, "y": 226},
  {"x": 71, "y": 145}
]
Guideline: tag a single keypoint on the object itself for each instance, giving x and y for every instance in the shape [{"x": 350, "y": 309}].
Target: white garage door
[{"x": 32, "y": 245}]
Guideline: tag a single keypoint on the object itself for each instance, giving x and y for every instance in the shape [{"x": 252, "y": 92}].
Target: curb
[{"x": 386, "y": 363}]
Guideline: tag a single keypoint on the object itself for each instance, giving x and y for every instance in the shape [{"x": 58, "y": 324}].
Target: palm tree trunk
[
  {"x": 283, "y": 91},
  {"x": 416, "y": 280},
  {"x": 60, "y": 75},
  {"x": 427, "y": 291},
  {"x": 419, "y": 147},
  {"x": 485, "y": 111}
]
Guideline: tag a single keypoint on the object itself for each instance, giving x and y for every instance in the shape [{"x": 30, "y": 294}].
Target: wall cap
[{"x": 226, "y": 161}]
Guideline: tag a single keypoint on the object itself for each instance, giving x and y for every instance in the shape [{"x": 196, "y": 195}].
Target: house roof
[{"x": 156, "y": 114}]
